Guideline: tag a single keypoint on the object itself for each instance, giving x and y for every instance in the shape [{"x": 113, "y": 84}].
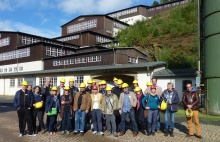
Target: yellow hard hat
[
  {"x": 149, "y": 84},
  {"x": 63, "y": 80},
  {"x": 93, "y": 81},
  {"x": 103, "y": 82},
  {"x": 120, "y": 81},
  {"x": 115, "y": 79},
  {"x": 89, "y": 81},
  {"x": 135, "y": 82},
  {"x": 38, "y": 105},
  {"x": 125, "y": 85},
  {"x": 71, "y": 80},
  {"x": 24, "y": 83},
  {"x": 66, "y": 88},
  {"x": 137, "y": 89},
  {"x": 100, "y": 82},
  {"x": 163, "y": 105},
  {"x": 54, "y": 88},
  {"x": 108, "y": 88},
  {"x": 189, "y": 113},
  {"x": 82, "y": 85}
]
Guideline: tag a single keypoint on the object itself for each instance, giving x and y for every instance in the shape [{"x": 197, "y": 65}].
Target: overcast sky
[{"x": 44, "y": 17}]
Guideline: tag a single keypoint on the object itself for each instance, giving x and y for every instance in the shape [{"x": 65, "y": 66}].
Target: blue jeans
[
  {"x": 52, "y": 122},
  {"x": 80, "y": 120},
  {"x": 66, "y": 118},
  {"x": 158, "y": 121},
  {"x": 133, "y": 121},
  {"x": 97, "y": 119},
  {"x": 152, "y": 120},
  {"x": 172, "y": 114}
]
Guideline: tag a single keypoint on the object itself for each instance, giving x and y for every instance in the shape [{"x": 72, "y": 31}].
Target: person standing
[
  {"x": 115, "y": 81},
  {"x": 127, "y": 103},
  {"x": 153, "y": 102},
  {"x": 52, "y": 102},
  {"x": 38, "y": 113},
  {"x": 135, "y": 84},
  {"x": 89, "y": 86},
  {"x": 103, "y": 86},
  {"x": 66, "y": 110},
  {"x": 147, "y": 90},
  {"x": 82, "y": 102},
  {"x": 170, "y": 96},
  {"x": 23, "y": 102},
  {"x": 96, "y": 106},
  {"x": 60, "y": 88},
  {"x": 109, "y": 106},
  {"x": 191, "y": 101}
]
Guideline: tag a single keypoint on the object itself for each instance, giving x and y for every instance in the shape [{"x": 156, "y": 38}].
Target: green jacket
[{"x": 105, "y": 106}]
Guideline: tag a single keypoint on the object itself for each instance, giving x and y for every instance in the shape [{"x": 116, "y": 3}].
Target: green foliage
[
  {"x": 164, "y": 1},
  {"x": 155, "y": 3}
]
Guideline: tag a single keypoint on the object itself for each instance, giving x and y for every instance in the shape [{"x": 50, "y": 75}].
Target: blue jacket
[
  {"x": 50, "y": 103},
  {"x": 175, "y": 100},
  {"x": 152, "y": 101},
  {"x": 17, "y": 98},
  {"x": 37, "y": 98}
]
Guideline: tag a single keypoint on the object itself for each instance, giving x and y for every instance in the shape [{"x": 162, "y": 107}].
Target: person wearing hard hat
[
  {"x": 153, "y": 104},
  {"x": 60, "y": 88},
  {"x": 117, "y": 90},
  {"x": 100, "y": 84},
  {"x": 89, "y": 86},
  {"x": 103, "y": 86},
  {"x": 96, "y": 106},
  {"x": 171, "y": 98},
  {"x": 110, "y": 110},
  {"x": 147, "y": 90},
  {"x": 93, "y": 82},
  {"x": 115, "y": 81},
  {"x": 127, "y": 103},
  {"x": 66, "y": 110},
  {"x": 191, "y": 101},
  {"x": 135, "y": 84},
  {"x": 52, "y": 109},
  {"x": 38, "y": 110},
  {"x": 82, "y": 101},
  {"x": 23, "y": 102},
  {"x": 139, "y": 111}
]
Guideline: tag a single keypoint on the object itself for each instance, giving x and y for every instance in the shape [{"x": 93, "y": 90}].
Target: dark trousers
[
  {"x": 97, "y": 120},
  {"x": 152, "y": 120},
  {"x": 24, "y": 113},
  {"x": 73, "y": 121},
  {"x": 52, "y": 123},
  {"x": 66, "y": 120},
  {"x": 38, "y": 114},
  {"x": 118, "y": 122},
  {"x": 133, "y": 121}
]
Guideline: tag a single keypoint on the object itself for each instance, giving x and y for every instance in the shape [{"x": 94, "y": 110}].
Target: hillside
[{"x": 170, "y": 36}]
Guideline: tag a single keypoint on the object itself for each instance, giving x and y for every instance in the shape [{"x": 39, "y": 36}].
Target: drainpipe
[{"x": 114, "y": 55}]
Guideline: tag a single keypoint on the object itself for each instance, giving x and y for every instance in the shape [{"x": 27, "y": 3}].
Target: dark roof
[
  {"x": 175, "y": 73},
  {"x": 165, "y": 4},
  {"x": 128, "y": 8},
  {"x": 146, "y": 66},
  {"x": 97, "y": 15}
]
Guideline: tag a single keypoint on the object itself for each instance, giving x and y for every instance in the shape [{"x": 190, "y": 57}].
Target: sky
[{"x": 45, "y": 17}]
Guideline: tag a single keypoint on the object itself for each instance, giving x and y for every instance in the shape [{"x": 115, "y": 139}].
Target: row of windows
[
  {"x": 82, "y": 26},
  {"x": 77, "y": 60},
  {"x": 19, "y": 81},
  {"x": 132, "y": 60},
  {"x": 10, "y": 69},
  {"x": 53, "y": 51},
  {"x": 15, "y": 54},
  {"x": 69, "y": 38},
  {"x": 119, "y": 25},
  {"x": 111, "y": 44},
  {"x": 125, "y": 12},
  {"x": 102, "y": 39},
  {"x": 4, "y": 41}
]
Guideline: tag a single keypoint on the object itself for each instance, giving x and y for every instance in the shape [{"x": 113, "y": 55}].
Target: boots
[
  {"x": 165, "y": 133},
  {"x": 171, "y": 133}
]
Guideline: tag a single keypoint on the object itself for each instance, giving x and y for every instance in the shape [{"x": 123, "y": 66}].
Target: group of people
[{"x": 107, "y": 108}]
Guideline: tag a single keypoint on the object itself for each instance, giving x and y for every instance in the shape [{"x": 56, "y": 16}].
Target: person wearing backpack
[
  {"x": 170, "y": 96},
  {"x": 153, "y": 102}
]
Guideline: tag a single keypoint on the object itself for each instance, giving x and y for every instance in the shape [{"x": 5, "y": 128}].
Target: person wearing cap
[
  {"x": 139, "y": 111},
  {"x": 100, "y": 84},
  {"x": 38, "y": 113},
  {"x": 109, "y": 107},
  {"x": 147, "y": 90},
  {"x": 23, "y": 102},
  {"x": 127, "y": 103},
  {"x": 89, "y": 86},
  {"x": 115, "y": 81},
  {"x": 66, "y": 110},
  {"x": 82, "y": 103},
  {"x": 170, "y": 96},
  {"x": 93, "y": 82},
  {"x": 53, "y": 101},
  {"x": 135, "y": 84},
  {"x": 96, "y": 106},
  {"x": 153, "y": 105},
  {"x": 103, "y": 86},
  {"x": 60, "y": 88}
]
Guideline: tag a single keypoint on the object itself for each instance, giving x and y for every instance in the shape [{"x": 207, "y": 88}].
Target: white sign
[{"x": 197, "y": 81}]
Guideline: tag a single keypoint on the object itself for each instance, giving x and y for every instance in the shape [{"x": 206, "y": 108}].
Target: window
[
  {"x": 53, "y": 51},
  {"x": 5, "y": 70},
  {"x": 20, "y": 68},
  {"x": 15, "y": 69},
  {"x": 15, "y": 54},
  {"x": 94, "y": 58},
  {"x": 4, "y": 41},
  {"x": 80, "y": 60},
  {"x": 132, "y": 60},
  {"x": 102, "y": 39},
  {"x": 20, "y": 81},
  {"x": 29, "y": 40},
  {"x": 1, "y": 70},
  {"x": 184, "y": 82},
  {"x": 10, "y": 69},
  {"x": 68, "y": 38},
  {"x": 12, "y": 82},
  {"x": 42, "y": 81},
  {"x": 78, "y": 80},
  {"x": 54, "y": 81}
]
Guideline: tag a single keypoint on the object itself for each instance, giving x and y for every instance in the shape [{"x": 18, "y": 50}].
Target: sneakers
[
  {"x": 81, "y": 133},
  {"x": 75, "y": 132},
  {"x": 62, "y": 132},
  {"x": 101, "y": 133},
  {"x": 94, "y": 132},
  {"x": 115, "y": 134},
  {"x": 67, "y": 132},
  {"x": 20, "y": 135},
  {"x": 32, "y": 135},
  {"x": 108, "y": 133}
]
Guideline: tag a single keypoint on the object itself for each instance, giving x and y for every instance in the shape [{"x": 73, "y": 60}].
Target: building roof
[
  {"x": 136, "y": 67},
  {"x": 127, "y": 9},
  {"x": 92, "y": 15},
  {"x": 165, "y": 4},
  {"x": 175, "y": 73}
]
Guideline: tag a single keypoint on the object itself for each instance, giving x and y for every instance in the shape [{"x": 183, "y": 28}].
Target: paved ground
[{"x": 9, "y": 131}]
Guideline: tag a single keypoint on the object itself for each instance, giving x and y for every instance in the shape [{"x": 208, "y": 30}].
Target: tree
[
  {"x": 155, "y": 3},
  {"x": 164, "y": 1}
]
